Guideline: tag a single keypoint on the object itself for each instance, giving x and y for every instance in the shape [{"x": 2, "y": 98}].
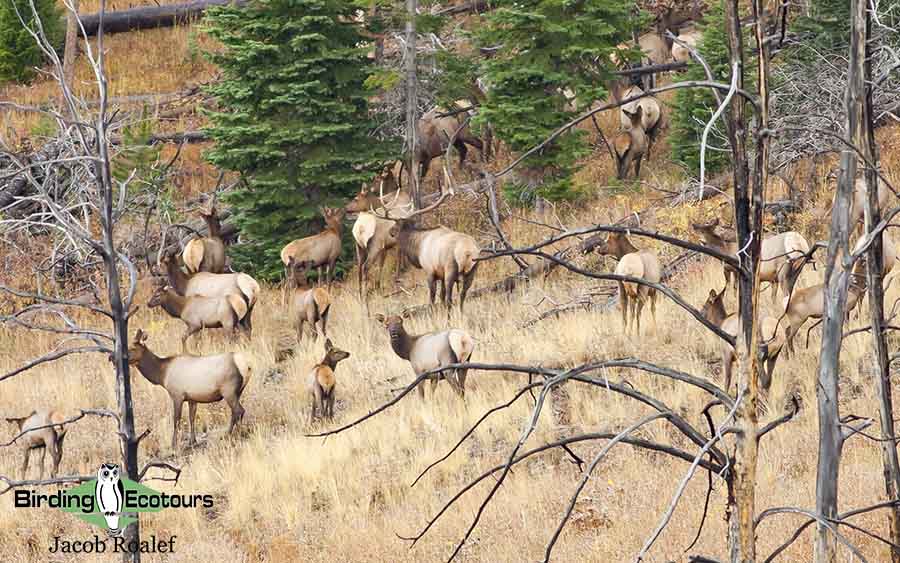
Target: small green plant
[{"x": 19, "y": 51}]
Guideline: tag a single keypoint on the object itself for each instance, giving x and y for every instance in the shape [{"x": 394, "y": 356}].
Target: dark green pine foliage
[
  {"x": 542, "y": 48},
  {"x": 19, "y": 52},
  {"x": 294, "y": 119}
]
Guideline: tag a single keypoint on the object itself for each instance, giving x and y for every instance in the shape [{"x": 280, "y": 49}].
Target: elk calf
[
  {"x": 40, "y": 435},
  {"x": 630, "y": 145},
  {"x": 195, "y": 379},
  {"x": 199, "y": 313},
  {"x": 308, "y": 304},
  {"x": 321, "y": 382},
  {"x": 206, "y": 254},
  {"x": 430, "y": 351},
  {"x": 322, "y": 249},
  {"x": 651, "y": 117},
  {"x": 809, "y": 303}
]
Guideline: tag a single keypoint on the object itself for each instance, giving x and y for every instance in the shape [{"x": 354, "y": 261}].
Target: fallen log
[
  {"x": 150, "y": 17},
  {"x": 179, "y": 137}
]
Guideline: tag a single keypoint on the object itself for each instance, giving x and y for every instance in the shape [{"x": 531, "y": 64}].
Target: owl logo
[{"x": 110, "y": 495}]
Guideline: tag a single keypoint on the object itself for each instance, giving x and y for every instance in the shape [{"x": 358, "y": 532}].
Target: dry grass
[{"x": 284, "y": 497}]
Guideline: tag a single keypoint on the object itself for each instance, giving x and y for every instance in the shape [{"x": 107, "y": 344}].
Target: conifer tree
[{"x": 19, "y": 52}]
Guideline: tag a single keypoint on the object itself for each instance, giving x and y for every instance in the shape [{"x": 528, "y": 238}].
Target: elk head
[
  {"x": 333, "y": 216},
  {"x": 137, "y": 349},
  {"x": 714, "y": 308},
  {"x": 616, "y": 244},
  {"x": 333, "y": 355}
]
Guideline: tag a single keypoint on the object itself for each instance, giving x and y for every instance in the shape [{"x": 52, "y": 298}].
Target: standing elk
[
  {"x": 321, "y": 382},
  {"x": 205, "y": 284},
  {"x": 686, "y": 40},
  {"x": 206, "y": 254},
  {"x": 781, "y": 256},
  {"x": 858, "y": 203},
  {"x": 195, "y": 379},
  {"x": 430, "y": 351},
  {"x": 308, "y": 304},
  {"x": 635, "y": 263},
  {"x": 199, "y": 312},
  {"x": 809, "y": 303},
  {"x": 371, "y": 233},
  {"x": 38, "y": 434},
  {"x": 322, "y": 249},
  {"x": 651, "y": 118},
  {"x": 630, "y": 145},
  {"x": 714, "y": 311},
  {"x": 433, "y": 133},
  {"x": 445, "y": 255}
]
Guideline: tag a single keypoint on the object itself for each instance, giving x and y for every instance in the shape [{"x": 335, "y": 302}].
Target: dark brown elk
[
  {"x": 371, "y": 233},
  {"x": 199, "y": 312},
  {"x": 446, "y": 256},
  {"x": 630, "y": 145},
  {"x": 195, "y": 379},
  {"x": 39, "y": 435},
  {"x": 322, "y": 249},
  {"x": 206, "y": 254},
  {"x": 434, "y": 131},
  {"x": 308, "y": 304},
  {"x": 321, "y": 382}
]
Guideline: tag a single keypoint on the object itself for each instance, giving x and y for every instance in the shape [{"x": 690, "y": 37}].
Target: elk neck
[
  {"x": 153, "y": 368},
  {"x": 173, "y": 303},
  {"x": 177, "y": 278},
  {"x": 716, "y": 313},
  {"x": 214, "y": 226},
  {"x": 409, "y": 239},
  {"x": 401, "y": 341},
  {"x": 621, "y": 246}
]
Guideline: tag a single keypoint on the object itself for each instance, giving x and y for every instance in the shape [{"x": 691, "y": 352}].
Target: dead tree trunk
[
  {"x": 71, "y": 52},
  {"x": 412, "y": 109},
  {"x": 150, "y": 17}
]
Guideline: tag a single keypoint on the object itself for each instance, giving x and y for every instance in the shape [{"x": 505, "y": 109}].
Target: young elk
[
  {"x": 205, "y": 284},
  {"x": 206, "y": 254},
  {"x": 809, "y": 303},
  {"x": 445, "y": 255},
  {"x": 199, "y": 312},
  {"x": 372, "y": 233},
  {"x": 195, "y": 379},
  {"x": 41, "y": 436},
  {"x": 651, "y": 117},
  {"x": 635, "y": 263},
  {"x": 630, "y": 145},
  {"x": 308, "y": 304},
  {"x": 430, "y": 351},
  {"x": 434, "y": 132},
  {"x": 781, "y": 256},
  {"x": 714, "y": 311},
  {"x": 321, "y": 382},
  {"x": 322, "y": 249}
]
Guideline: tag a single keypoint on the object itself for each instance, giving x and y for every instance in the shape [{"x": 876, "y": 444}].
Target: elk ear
[
  {"x": 715, "y": 222},
  {"x": 328, "y": 345},
  {"x": 379, "y": 317},
  {"x": 406, "y": 314},
  {"x": 713, "y": 294}
]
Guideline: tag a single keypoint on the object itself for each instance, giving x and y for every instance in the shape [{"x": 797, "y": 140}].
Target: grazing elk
[
  {"x": 630, "y": 145},
  {"x": 780, "y": 261},
  {"x": 430, "y": 351},
  {"x": 195, "y": 379},
  {"x": 40, "y": 435},
  {"x": 205, "y": 284},
  {"x": 635, "y": 263},
  {"x": 199, "y": 312},
  {"x": 371, "y": 233},
  {"x": 714, "y": 311},
  {"x": 322, "y": 249},
  {"x": 858, "y": 203},
  {"x": 308, "y": 304},
  {"x": 809, "y": 303},
  {"x": 321, "y": 382},
  {"x": 206, "y": 254},
  {"x": 445, "y": 255},
  {"x": 433, "y": 133},
  {"x": 651, "y": 118}
]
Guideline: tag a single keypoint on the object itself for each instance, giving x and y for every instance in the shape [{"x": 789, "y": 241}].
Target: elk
[
  {"x": 206, "y": 284},
  {"x": 650, "y": 114},
  {"x": 40, "y": 435},
  {"x": 430, "y": 351},
  {"x": 714, "y": 311},
  {"x": 780, "y": 262},
  {"x": 630, "y": 145},
  {"x": 206, "y": 254},
  {"x": 372, "y": 233},
  {"x": 680, "y": 51},
  {"x": 433, "y": 133},
  {"x": 858, "y": 203},
  {"x": 308, "y": 304},
  {"x": 632, "y": 262},
  {"x": 199, "y": 312},
  {"x": 322, "y": 249},
  {"x": 321, "y": 382},
  {"x": 809, "y": 302},
  {"x": 445, "y": 255},
  {"x": 195, "y": 379}
]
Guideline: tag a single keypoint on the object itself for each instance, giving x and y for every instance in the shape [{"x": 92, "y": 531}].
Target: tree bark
[
  {"x": 412, "y": 110},
  {"x": 71, "y": 52},
  {"x": 150, "y": 17}
]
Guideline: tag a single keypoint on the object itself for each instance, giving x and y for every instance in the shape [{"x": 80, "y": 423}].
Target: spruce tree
[
  {"x": 293, "y": 119},
  {"x": 19, "y": 52}
]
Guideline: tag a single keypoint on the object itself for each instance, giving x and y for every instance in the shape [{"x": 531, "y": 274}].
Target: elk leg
[
  {"x": 192, "y": 415},
  {"x": 176, "y": 419},
  {"x": 55, "y": 456},
  {"x": 25, "y": 463},
  {"x": 623, "y": 305},
  {"x": 360, "y": 271},
  {"x": 468, "y": 277},
  {"x": 320, "y": 325},
  {"x": 41, "y": 463},
  {"x": 789, "y": 333},
  {"x": 727, "y": 360},
  {"x": 463, "y": 151},
  {"x": 638, "y": 310},
  {"x": 461, "y": 377},
  {"x": 652, "y": 295},
  {"x": 319, "y": 275},
  {"x": 421, "y": 389},
  {"x": 312, "y": 407},
  {"x": 432, "y": 287},
  {"x": 637, "y": 168},
  {"x": 382, "y": 254},
  {"x": 450, "y": 281},
  {"x": 237, "y": 411},
  {"x": 300, "y": 329}
]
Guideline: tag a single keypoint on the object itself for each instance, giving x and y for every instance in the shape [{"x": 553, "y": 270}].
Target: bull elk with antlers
[{"x": 321, "y": 250}]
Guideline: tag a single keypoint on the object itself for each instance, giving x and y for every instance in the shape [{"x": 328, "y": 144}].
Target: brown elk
[
  {"x": 445, "y": 255},
  {"x": 630, "y": 145},
  {"x": 635, "y": 263},
  {"x": 322, "y": 249},
  {"x": 771, "y": 337},
  {"x": 195, "y": 379},
  {"x": 430, "y": 351},
  {"x": 205, "y": 284},
  {"x": 809, "y": 303},
  {"x": 686, "y": 40},
  {"x": 321, "y": 382},
  {"x": 371, "y": 233},
  {"x": 433, "y": 133},
  {"x": 858, "y": 203},
  {"x": 308, "y": 304},
  {"x": 651, "y": 118},
  {"x": 206, "y": 254},
  {"x": 199, "y": 312},
  {"x": 40, "y": 435},
  {"x": 781, "y": 256}
]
